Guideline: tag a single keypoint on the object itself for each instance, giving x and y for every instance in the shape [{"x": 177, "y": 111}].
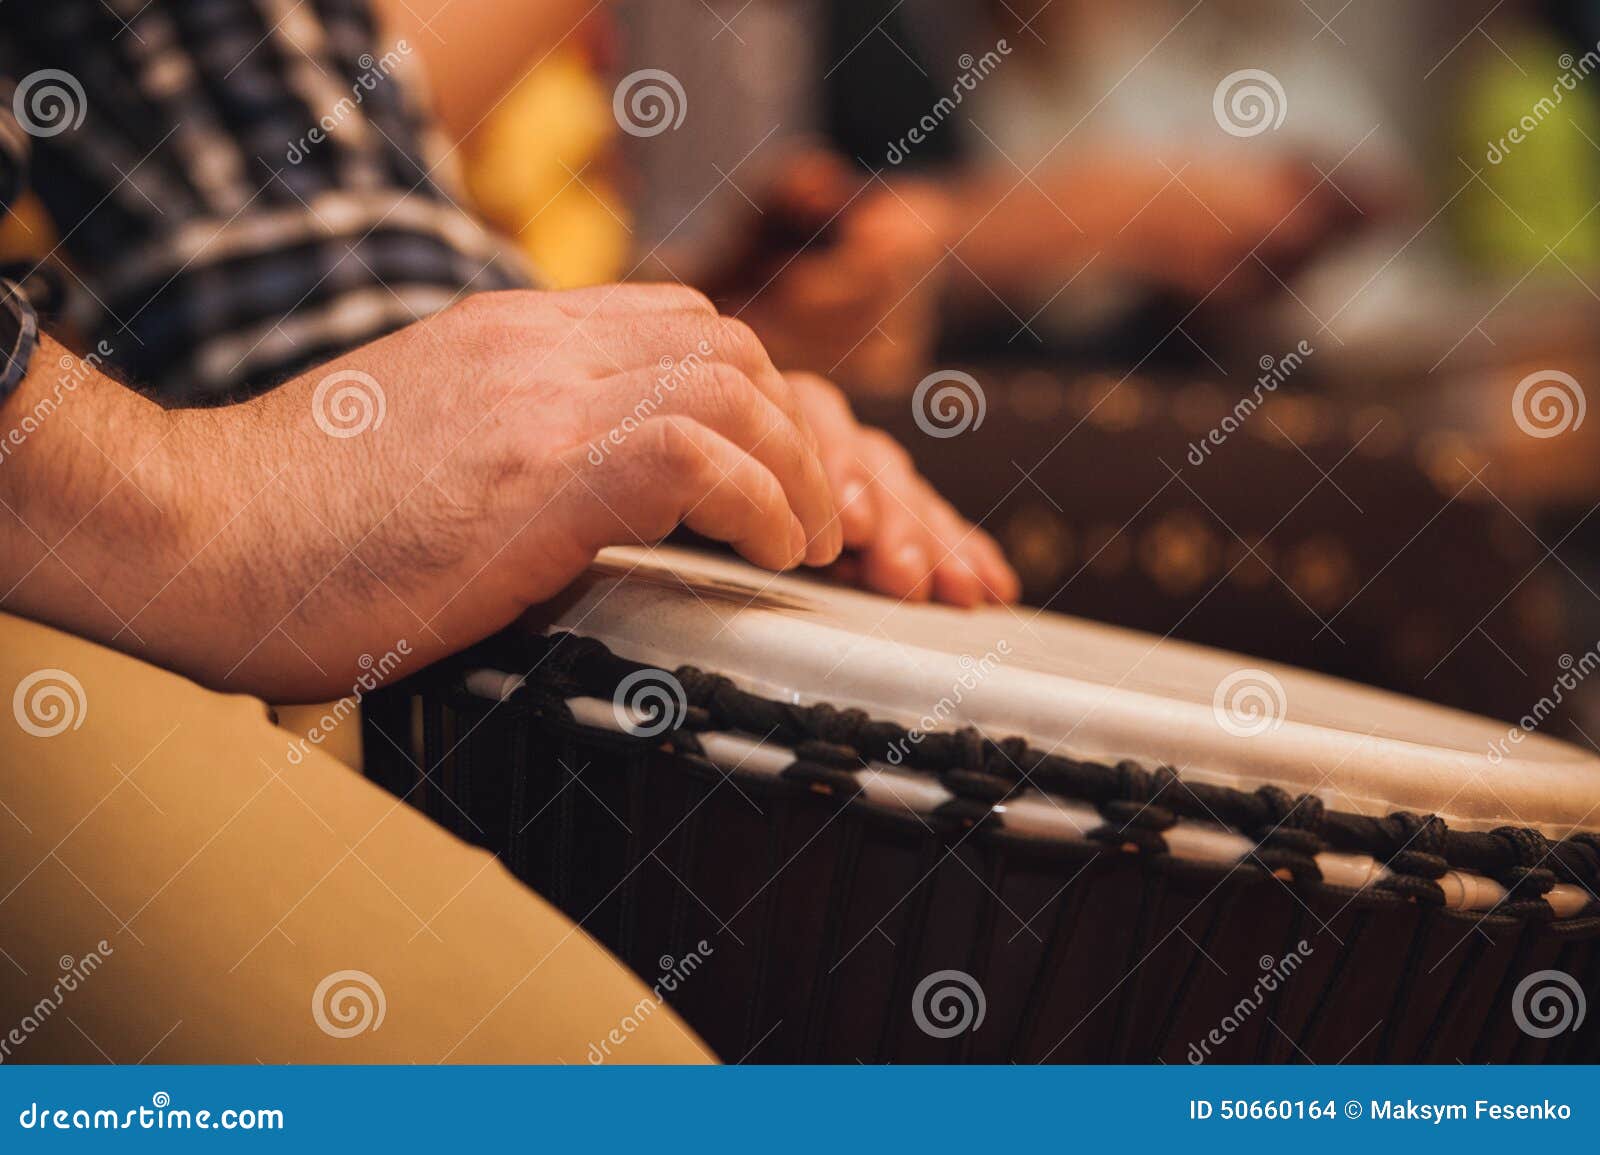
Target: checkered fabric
[{"x": 241, "y": 188}]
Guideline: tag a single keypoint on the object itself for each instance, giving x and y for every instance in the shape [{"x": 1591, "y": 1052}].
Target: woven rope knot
[
  {"x": 1419, "y": 865},
  {"x": 1524, "y": 846},
  {"x": 699, "y": 687},
  {"x": 1413, "y": 833},
  {"x": 828, "y": 754},
  {"x": 978, "y": 785},
  {"x": 1133, "y": 781},
  {"x": 1528, "y": 881},
  {"x": 1005, "y": 758},
  {"x": 1125, "y": 814}
]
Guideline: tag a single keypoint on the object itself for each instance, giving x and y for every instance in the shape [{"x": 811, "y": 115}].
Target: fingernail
[{"x": 797, "y": 540}]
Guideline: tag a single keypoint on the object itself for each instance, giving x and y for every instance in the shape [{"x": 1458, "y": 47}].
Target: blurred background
[{"x": 1266, "y": 325}]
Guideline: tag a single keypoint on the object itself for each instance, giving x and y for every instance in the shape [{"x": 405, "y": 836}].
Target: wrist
[{"x": 90, "y": 522}]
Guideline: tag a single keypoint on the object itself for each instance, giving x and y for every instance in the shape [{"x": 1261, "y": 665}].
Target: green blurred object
[{"x": 1534, "y": 135}]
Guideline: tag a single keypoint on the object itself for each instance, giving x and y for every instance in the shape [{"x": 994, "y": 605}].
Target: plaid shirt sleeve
[
  {"x": 19, "y": 325},
  {"x": 242, "y": 189}
]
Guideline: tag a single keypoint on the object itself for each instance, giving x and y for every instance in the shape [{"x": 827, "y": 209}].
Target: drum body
[
  {"x": 1268, "y": 542},
  {"x": 807, "y": 881}
]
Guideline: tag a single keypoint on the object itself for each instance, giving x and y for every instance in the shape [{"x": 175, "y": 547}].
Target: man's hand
[
  {"x": 428, "y": 487},
  {"x": 431, "y": 486},
  {"x": 904, "y": 539}
]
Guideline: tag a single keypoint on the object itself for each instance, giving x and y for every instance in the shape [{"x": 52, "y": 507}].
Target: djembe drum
[
  {"x": 892, "y": 832},
  {"x": 1302, "y": 538}
]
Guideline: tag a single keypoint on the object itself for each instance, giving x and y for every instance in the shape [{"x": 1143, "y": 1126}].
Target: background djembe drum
[
  {"x": 1336, "y": 531},
  {"x": 849, "y": 893}
]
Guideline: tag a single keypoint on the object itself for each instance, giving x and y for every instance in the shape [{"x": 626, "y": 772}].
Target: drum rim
[{"x": 1505, "y": 876}]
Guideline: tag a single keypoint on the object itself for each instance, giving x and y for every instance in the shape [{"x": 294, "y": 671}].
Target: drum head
[{"x": 1078, "y": 689}]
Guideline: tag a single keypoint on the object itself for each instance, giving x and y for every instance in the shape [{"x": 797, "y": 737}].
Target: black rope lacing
[{"x": 831, "y": 745}]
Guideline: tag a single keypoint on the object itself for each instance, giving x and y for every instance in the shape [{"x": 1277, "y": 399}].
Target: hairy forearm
[{"x": 81, "y": 477}]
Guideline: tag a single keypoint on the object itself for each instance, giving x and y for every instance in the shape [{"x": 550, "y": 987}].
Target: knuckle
[
  {"x": 732, "y": 338},
  {"x": 481, "y": 309},
  {"x": 885, "y": 448},
  {"x": 676, "y": 444}
]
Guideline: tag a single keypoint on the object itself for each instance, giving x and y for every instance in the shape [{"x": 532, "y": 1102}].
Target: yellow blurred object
[
  {"x": 26, "y": 233},
  {"x": 536, "y": 169}
]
